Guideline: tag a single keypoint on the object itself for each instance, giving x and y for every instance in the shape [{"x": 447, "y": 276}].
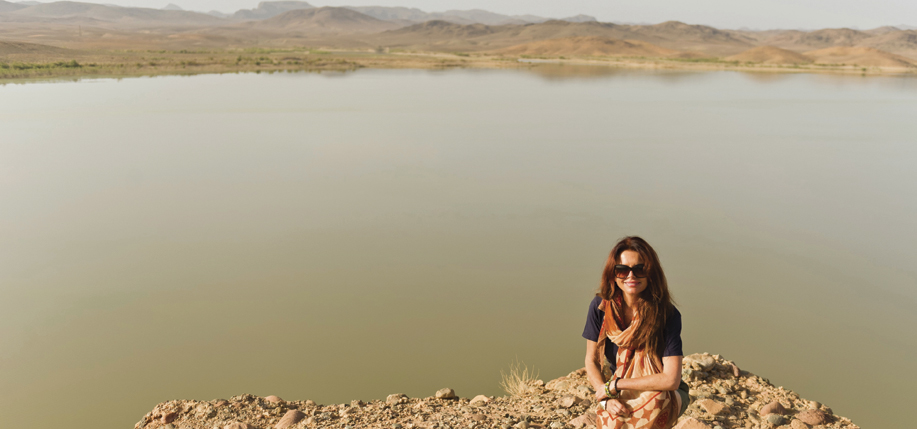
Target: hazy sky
[{"x": 761, "y": 14}]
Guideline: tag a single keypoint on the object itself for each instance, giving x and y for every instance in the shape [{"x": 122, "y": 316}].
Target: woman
[{"x": 633, "y": 323}]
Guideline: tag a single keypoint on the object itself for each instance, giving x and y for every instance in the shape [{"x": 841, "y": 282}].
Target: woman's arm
[
  {"x": 668, "y": 379},
  {"x": 594, "y": 369}
]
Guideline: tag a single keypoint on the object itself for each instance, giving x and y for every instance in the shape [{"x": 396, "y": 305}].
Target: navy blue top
[{"x": 671, "y": 335}]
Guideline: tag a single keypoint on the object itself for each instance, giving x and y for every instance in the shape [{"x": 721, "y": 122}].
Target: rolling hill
[
  {"x": 860, "y": 56},
  {"x": 589, "y": 46},
  {"x": 819, "y": 39},
  {"x": 902, "y": 42},
  {"x": 112, "y": 14},
  {"x": 324, "y": 21},
  {"x": 770, "y": 55},
  {"x": 674, "y": 36},
  {"x": 270, "y": 9},
  {"x": 6, "y": 6},
  {"x": 10, "y": 48}
]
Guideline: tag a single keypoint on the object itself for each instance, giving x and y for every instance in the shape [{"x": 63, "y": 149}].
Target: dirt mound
[
  {"x": 588, "y": 46},
  {"x": 722, "y": 395},
  {"x": 7, "y": 48},
  {"x": 770, "y": 55},
  {"x": 860, "y": 56},
  {"x": 325, "y": 20}
]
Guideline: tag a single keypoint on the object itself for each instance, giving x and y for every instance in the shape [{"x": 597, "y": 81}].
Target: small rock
[
  {"x": 711, "y": 406},
  {"x": 310, "y": 403},
  {"x": 397, "y": 426},
  {"x": 521, "y": 425},
  {"x": 238, "y": 425},
  {"x": 445, "y": 393},
  {"x": 479, "y": 400},
  {"x": 735, "y": 370},
  {"x": 796, "y": 424},
  {"x": 776, "y": 419},
  {"x": 812, "y": 417},
  {"x": 169, "y": 417},
  {"x": 717, "y": 427},
  {"x": 478, "y": 417},
  {"x": 557, "y": 425},
  {"x": 568, "y": 401},
  {"x": 730, "y": 401},
  {"x": 289, "y": 419},
  {"x": 273, "y": 399},
  {"x": 772, "y": 408},
  {"x": 691, "y": 423},
  {"x": 168, "y": 426},
  {"x": 588, "y": 418},
  {"x": 706, "y": 362},
  {"x": 583, "y": 391},
  {"x": 395, "y": 398}
]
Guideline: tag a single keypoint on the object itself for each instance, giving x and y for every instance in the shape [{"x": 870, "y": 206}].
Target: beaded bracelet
[{"x": 608, "y": 392}]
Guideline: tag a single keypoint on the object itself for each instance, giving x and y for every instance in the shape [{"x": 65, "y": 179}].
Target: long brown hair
[{"x": 654, "y": 304}]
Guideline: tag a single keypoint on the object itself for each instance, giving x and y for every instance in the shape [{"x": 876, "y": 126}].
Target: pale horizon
[{"x": 749, "y": 14}]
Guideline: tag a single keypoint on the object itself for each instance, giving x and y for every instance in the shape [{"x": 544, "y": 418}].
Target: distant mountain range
[
  {"x": 270, "y": 9},
  {"x": 300, "y": 23}
]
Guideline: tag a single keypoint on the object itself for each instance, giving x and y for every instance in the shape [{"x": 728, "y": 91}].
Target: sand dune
[
  {"x": 859, "y": 56},
  {"x": 589, "y": 46},
  {"x": 324, "y": 20},
  {"x": 770, "y": 55}
]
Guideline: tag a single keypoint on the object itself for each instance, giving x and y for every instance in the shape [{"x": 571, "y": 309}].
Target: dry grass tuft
[{"x": 520, "y": 381}]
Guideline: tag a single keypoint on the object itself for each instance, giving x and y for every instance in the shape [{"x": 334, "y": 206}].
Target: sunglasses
[{"x": 639, "y": 270}]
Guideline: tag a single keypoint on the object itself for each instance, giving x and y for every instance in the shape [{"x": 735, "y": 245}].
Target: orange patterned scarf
[{"x": 648, "y": 409}]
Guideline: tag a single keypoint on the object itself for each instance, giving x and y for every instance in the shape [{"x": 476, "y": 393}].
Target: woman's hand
[{"x": 616, "y": 408}]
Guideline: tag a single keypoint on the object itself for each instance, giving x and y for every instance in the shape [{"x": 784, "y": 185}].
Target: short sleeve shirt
[{"x": 671, "y": 335}]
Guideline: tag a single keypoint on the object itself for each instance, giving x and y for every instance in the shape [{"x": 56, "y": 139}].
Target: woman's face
[{"x": 631, "y": 286}]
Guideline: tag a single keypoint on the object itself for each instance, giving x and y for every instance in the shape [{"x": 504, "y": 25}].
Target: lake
[{"x": 346, "y": 236}]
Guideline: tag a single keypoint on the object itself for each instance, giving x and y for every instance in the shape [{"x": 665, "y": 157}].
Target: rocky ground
[{"x": 723, "y": 397}]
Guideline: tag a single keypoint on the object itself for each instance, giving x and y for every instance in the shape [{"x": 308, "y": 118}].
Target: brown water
[{"x": 339, "y": 237}]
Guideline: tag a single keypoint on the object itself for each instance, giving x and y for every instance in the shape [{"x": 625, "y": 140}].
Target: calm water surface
[{"x": 339, "y": 237}]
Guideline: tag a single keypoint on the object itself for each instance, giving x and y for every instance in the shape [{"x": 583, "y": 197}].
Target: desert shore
[
  {"x": 80, "y": 64},
  {"x": 723, "y": 397},
  {"x": 81, "y": 39}
]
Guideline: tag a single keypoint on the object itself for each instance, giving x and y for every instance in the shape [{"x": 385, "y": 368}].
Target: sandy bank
[{"x": 723, "y": 397}]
